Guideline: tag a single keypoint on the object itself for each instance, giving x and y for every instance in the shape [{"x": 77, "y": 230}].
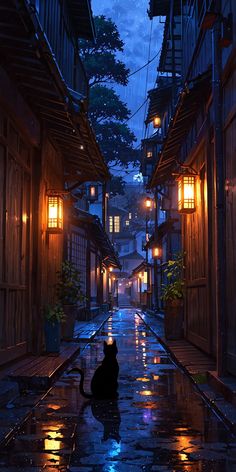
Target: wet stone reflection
[{"x": 158, "y": 423}]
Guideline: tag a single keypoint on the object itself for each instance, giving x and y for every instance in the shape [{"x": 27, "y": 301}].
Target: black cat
[{"x": 104, "y": 382}]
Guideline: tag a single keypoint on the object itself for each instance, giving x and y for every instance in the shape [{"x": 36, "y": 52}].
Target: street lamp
[{"x": 148, "y": 204}]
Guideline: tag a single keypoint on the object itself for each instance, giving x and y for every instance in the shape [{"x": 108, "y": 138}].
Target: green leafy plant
[
  {"x": 68, "y": 287},
  {"x": 174, "y": 288},
  {"x": 54, "y": 313}
]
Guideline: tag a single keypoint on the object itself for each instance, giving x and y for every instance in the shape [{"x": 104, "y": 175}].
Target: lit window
[
  {"x": 110, "y": 224},
  {"x": 116, "y": 224},
  {"x": 149, "y": 153},
  {"x": 127, "y": 222},
  {"x": 130, "y": 216}
]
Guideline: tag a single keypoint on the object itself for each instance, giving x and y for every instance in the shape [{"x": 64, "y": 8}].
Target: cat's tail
[{"x": 76, "y": 370}]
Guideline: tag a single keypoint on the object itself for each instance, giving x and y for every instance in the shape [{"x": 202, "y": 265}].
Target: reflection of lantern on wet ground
[
  {"x": 186, "y": 193},
  {"x": 52, "y": 442},
  {"x": 55, "y": 213}
]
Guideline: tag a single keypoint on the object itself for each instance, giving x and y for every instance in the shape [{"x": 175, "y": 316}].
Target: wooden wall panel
[
  {"x": 51, "y": 247},
  {"x": 195, "y": 244},
  {"x": 230, "y": 155},
  {"x": 15, "y": 250}
]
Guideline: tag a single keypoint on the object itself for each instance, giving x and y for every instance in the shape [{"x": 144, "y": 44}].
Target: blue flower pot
[{"x": 52, "y": 332}]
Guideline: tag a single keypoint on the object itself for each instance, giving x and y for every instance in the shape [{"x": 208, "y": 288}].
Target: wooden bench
[{"x": 39, "y": 372}]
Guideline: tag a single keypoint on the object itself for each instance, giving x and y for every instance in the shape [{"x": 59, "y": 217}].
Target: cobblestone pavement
[{"x": 159, "y": 423}]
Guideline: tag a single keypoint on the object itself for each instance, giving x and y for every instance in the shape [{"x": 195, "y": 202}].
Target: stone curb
[{"x": 222, "y": 409}]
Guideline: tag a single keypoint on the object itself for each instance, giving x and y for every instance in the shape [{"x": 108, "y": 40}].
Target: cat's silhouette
[{"x": 104, "y": 383}]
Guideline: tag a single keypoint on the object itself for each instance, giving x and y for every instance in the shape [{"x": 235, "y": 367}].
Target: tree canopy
[
  {"x": 100, "y": 59},
  {"x": 107, "y": 112}
]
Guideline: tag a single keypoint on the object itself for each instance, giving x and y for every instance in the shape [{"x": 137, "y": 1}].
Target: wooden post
[
  {"x": 220, "y": 197},
  {"x": 156, "y": 298},
  {"x": 88, "y": 278}
]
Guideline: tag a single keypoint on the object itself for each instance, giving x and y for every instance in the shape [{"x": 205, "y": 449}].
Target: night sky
[{"x": 135, "y": 27}]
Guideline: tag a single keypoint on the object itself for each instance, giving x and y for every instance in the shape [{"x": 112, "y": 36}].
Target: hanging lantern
[
  {"x": 156, "y": 122},
  {"x": 187, "y": 193},
  {"x": 54, "y": 213},
  {"x": 149, "y": 154},
  {"x": 110, "y": 269},
  {"x": 93, "y": 193},
  {"x": 148, "y": 203},
  {"x": 156, "y": 252}
]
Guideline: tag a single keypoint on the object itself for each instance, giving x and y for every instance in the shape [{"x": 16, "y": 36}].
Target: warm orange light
[
  {"x": 157, "y": 122},
  {"x": 92, "y": 191},
  {"x": 186, "y": 193},
  {"x": 140, "y": 275},
  {"x": 110, "y": 269},
  {"x": 55, "y": 214},
  {"x": 145, "y": 277},
  {"x": 156, "y": 252},
  {"x": 148, "y": 202},
  {"x": 149, "y": 154}
]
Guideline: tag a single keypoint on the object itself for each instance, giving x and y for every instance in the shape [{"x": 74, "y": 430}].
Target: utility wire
[
  {"x": 135, "y": 113},
  {"x": 145, "y": 65},
  {"x": 146, "y": 84}
]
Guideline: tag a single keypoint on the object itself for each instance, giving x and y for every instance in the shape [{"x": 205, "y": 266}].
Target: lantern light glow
[
  {"x": 149, "y": 154},
  {"x": 92, "y": 191},
  {"x": 145, "y": 277},
  {"x": 156, "y": 252},
  {"x": 55, "y": 214},
  {"x": 157, "y": 122},
  {"x": 186, "y": 193},
  {"x": 148, "y": 203}
]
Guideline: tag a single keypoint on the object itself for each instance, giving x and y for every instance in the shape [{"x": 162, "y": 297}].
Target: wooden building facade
[
  {"x": 90, "y": 249},
  {"x": 46, "y": 144},
  {"x": 201, "y": 135}
]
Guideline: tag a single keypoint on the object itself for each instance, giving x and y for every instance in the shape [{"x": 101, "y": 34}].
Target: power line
[
  {"x": 146, "y": 84},
  {"x": 135, "y": 113},
  {"x": 145, "y": 65}
]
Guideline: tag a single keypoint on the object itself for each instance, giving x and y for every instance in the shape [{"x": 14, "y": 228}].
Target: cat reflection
[{"x": 108, "y": 414}]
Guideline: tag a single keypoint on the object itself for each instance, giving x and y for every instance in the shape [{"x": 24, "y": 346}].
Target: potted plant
[
  {"x": 53, "y": 316},
  {"x": 69, "y": 294},
  {"x": 172, "y": 295}
]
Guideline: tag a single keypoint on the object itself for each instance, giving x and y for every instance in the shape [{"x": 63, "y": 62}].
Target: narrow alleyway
[{"x": 159, "y": 423}]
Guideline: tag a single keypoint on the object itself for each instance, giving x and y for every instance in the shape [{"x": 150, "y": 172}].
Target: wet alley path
[{"x": 159, "y": 423}]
